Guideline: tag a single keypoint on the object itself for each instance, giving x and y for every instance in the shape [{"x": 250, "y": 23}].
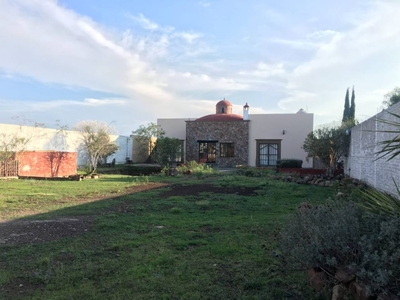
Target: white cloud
[
  {"x": 204, "y": 3},
  {"x": 189, "y": 37},
  {"x": 319, "y": 34},
  {"x": 362, "y": 56},
  {"x": 266, "y": 70},
  {"x": 146, "y": 23}
]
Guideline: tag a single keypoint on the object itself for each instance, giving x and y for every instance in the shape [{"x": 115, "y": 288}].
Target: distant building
[{"x": 226, "y": 139}]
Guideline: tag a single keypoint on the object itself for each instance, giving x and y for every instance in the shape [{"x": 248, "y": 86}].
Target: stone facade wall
[
  {"x": 362, "y": 162},
  {"x": 222, "y": 132}
]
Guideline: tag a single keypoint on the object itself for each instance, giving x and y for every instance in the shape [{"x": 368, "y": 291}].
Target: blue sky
[{"x": 131, "y": 62}]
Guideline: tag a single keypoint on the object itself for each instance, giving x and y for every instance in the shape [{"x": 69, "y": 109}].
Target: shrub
[
  {"x": 253, "y": 172},
  {"x": 343, "y": 235},
  {"x": 194, "y": 167},
  {"x": 289, "y": 163}
]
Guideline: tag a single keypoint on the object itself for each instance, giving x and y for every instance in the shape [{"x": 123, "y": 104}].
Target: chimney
[{"x": 246, "y": 112}]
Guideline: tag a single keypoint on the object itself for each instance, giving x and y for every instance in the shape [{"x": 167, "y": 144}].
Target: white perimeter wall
[
  {"x": 70, "y": 141},
  {"x": 271, "y": 126},
  {"x": 362, "y": 164}
]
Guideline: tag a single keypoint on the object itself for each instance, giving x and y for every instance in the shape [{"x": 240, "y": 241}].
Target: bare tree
[{"x": 96, "y": 141}]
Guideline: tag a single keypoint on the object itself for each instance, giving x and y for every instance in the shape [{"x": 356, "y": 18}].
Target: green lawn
[{"x": 210, "y": 245}]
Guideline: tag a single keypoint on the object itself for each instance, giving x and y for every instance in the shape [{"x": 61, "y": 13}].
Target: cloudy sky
[{"x": 130, "y": 62}]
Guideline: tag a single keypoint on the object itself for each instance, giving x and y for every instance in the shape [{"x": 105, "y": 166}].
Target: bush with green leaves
[
  {"x": 289, "y": 163},
  {"x": 194, "y": 167},
  {"x": 343, "y": 235},
  {"x": 254, "y": 172}
]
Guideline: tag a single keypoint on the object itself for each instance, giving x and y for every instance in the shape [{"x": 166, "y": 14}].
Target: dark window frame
[
  {"x": 268, "y": 156},
  {"x": 207, "y": 151},
  {"x": 228, "y": 151}
]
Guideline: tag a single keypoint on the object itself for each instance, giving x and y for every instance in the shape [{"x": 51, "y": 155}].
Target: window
[
  {"x": 223, "y": 110},
  {"x": 268, "y": 152},
  {"x": 227, "y": 150},
  {"x": 207, "y": 152},
  {"x": 180, "y": 153}
]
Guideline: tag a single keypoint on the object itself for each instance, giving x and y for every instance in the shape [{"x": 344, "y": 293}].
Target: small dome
[
  {"x": 224, "y": 102},
  {"x": 301, "y": 111}
]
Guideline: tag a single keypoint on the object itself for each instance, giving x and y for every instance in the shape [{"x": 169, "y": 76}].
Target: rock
[
  {"x": 304, "y": 206},
  {"x": 321, "y": 183},
  {"x": 339, "y": 292},
  {"x": 307, "y": 178},
  {"x": 318, "y": 279},
  {"x": 327, "y": 183},
  {"x": 344, "y": 275},
  {"x": 359, "y": 292}
]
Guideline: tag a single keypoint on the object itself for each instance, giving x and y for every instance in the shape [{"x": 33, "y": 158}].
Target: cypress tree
[
  {"x": 352, "y": 110},
  {"x": 346, "y": 111}
]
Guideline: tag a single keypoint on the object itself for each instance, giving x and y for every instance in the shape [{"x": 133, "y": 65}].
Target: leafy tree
[
  {"x": 145, "y": 136},
  {"x": 330, "y": 145},
  {"x": 167, "y": 150},
  {"x": 392, "y": 97},
  {"x": 346, "y": 111},
  {"x": 96, "y": 141}
]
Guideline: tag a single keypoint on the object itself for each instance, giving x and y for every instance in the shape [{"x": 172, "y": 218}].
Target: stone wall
[
  {"x": 236, "y": 132},
  {"x": 362, "y": 162}
]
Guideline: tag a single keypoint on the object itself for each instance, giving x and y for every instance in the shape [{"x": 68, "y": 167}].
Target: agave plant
[
  {"x": 391, "y": 147},
  {"x": 380, "y": 202}
]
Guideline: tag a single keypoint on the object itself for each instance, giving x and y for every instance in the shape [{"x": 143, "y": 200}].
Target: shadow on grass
[{"x": 205, "y": 246}]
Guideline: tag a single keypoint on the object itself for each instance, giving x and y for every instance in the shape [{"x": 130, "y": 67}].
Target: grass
[{"x": 204, "y": 246}]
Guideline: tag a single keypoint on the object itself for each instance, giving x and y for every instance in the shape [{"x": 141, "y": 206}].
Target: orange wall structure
[{"x": 46, "y": 163}]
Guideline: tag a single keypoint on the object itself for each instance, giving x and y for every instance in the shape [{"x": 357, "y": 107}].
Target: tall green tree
[
  {"x": 392, "y": 97},
  {"x": 167, "y": 150},
  {"x": 346, "y": 111},
  {"x": 352, "y": 110}
]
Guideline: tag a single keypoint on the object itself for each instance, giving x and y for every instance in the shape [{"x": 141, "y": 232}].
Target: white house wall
[
  {"x": 40, "y": 139},
  {"x": 263, "y": 126},
  {"x": 362, "y": 162},
  {"x": 174, "y": 128},
  {"x": 271, "y": 127}
]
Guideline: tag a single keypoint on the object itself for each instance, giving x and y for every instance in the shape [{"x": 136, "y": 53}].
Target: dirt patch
[
  {"x": 182, "y": 190},
  {"x": 18, "y": 288},
  {"x": 39, "y": 231}
]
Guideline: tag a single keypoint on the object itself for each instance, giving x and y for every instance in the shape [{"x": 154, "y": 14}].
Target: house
[{"x": 225, "y": 139}]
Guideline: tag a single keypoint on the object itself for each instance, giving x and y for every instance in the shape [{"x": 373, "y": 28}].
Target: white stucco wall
[
  {"x": 174, "y": 128},
  {"x": 70, "y": 141},
  {"x": 362, "y": 164},
  {"x": 271, "y": 126}
]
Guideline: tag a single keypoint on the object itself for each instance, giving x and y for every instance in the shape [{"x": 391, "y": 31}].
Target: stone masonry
[{"x": 236, "y": 132}]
